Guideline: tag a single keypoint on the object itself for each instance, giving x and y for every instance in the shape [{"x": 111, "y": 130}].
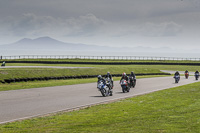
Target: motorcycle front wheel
[{"x": 105, "y": 91}]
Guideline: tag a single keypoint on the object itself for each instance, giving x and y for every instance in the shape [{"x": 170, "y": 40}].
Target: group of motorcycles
[
  {"x": 127, "y": 85},
  {"x": 177, "y": 77},
  {"x": 105, "y": 85}
]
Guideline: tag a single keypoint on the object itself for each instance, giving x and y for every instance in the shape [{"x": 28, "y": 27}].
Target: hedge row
[{"x": 69, "y": 77}]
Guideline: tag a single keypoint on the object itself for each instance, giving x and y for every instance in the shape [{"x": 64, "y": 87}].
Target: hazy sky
[{"x": 155, "y": 23}]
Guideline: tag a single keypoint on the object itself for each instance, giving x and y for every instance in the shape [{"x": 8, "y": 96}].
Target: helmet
[
  {"x": 132, "y": 73},
  {"x": 124, "y": 74},
  {"x": 99, "y": 77},
  {"x": 108, "y": 73}
]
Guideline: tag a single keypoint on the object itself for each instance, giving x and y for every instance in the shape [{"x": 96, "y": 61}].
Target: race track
[{"x": 27, "y": 103}]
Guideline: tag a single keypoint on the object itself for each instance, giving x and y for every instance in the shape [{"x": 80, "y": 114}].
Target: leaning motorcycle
[
  {"x": 125, "y": 86},
  {"x": 196, "y": 76},
  {"x": 104, "y": 88},
  {"x": 131, "y": 82},
  {"x": 177, "y": 78}
]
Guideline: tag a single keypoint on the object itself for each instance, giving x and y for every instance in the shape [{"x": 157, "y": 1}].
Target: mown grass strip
[
  {"x": 20, "y": 73},
  {"x": 124, "y": 67},
  {"x": 172, "y": 110}
]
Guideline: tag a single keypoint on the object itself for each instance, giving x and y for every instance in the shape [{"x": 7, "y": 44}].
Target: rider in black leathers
[
  {"x": 197, "y": 72},
  {"x": 110, "y": 76},
  {"x": 133, "y": 75},
  {"x": 176, "y": 74}
]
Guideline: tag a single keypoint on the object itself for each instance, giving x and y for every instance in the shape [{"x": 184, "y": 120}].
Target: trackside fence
[{"x": 97, "y": 57}]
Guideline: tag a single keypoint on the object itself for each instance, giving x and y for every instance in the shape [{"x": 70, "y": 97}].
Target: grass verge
[
  {"x": 160, "y": 67},
  {"x": 17, "y": 73},
  {"x": 172, "y": 110}
]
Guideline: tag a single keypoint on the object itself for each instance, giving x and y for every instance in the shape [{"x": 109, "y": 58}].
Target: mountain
[{"x": 47, "y": 43}]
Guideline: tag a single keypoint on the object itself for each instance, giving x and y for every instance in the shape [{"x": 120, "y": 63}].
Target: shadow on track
[{"x": 96, "y": 96}]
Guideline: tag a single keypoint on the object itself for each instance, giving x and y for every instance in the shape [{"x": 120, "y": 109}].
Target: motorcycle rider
[
  {"x": 132, "y": 79},
  {"x": 197, "y": 72},
  {"x": 100, "y": 78},
  {"x": 124, "y": 76},
  {"x": 176, "y": 74},
  {"x": 133, "y": 75},
  {"x": 186, "y": 73},
  {"x": 110, "y": 76}
]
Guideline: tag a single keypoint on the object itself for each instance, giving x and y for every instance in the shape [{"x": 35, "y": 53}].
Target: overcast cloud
[{"x": 155, "y": 23}]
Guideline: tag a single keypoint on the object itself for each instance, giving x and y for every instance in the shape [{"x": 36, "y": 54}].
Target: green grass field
[
  {"x": 174, "y": 110},
  {"x": 11, "y": 73},
  {"x": 122, "y": 67}
]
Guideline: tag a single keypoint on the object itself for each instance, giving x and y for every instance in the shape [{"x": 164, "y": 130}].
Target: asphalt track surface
[
  {"x": 181, "y": 72},
  {"x": 28, "y": 103}
]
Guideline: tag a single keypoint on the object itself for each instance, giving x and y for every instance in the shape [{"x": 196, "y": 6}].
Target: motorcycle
[
  {"x": 109, "y": 83},
  {"x": 125, "y": 86},
  {"x": 3, "y": 65},
  {"x": 186, "y": 75},
  {"x": 131, "y": 82},
  {"x": 104, "y": 88},
  {"x": 177, "y": 78},
  {"x": 196, "y": 76}
]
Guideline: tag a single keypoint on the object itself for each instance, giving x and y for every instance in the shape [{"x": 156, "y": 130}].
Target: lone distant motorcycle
[
  {"x": 196, "y": 76},
  {"x": 186, "y": 75},
  {"x": 3, "y": 64}
]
